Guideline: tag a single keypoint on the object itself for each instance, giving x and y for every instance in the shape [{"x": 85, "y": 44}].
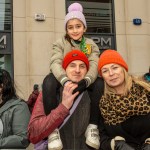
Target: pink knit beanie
[{"x": 75, "y": 10}]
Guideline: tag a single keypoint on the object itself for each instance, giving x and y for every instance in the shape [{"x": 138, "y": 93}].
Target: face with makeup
[{"x": 113, "y": 75}]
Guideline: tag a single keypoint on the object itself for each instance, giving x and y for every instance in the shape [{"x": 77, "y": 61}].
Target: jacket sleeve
[
  {"x": 20, "y": 122},
  {"x": 40, "y": 125},
  {"x": 56, "y": 61},
  {"x": 105, "y": 140},
  {"x": 93, "y": 61},
  {"x": 30, "y": 100}
]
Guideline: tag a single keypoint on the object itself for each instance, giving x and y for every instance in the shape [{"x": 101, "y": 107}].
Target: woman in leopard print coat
[{"x": 124, "y": 107}]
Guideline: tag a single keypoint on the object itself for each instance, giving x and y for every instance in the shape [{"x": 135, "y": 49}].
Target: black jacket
[{"x": 135, "y": 130}]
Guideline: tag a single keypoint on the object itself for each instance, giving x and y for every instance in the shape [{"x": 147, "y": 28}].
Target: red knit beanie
[
  {"x": 75, "y": 55},
  {"x": 111, "y": 56}
]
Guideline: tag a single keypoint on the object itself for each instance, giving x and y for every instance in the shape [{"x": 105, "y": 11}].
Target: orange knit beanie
[{"x": 111, "y": 56}]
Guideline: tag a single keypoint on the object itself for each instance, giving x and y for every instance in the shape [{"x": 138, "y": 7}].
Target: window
[
  {"x": 5, "y": 15},
  {"x": 5, "y": 35}
]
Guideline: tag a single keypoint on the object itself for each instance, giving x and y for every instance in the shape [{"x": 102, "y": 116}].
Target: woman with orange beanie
[{"x": 124, "y": 107}]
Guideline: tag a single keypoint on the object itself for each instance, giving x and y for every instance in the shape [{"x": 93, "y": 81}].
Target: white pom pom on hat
[
  {"x": 75, "y": 11},
  {"x": 75, "y": 7}
]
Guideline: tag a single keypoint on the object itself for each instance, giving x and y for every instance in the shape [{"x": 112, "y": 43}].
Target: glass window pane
[
  {"x": 5, "y": 14},
  {"x": 100, "y": 21},
  {"x": 98, "y": 14},
  {"x": 5, "y": 62}
]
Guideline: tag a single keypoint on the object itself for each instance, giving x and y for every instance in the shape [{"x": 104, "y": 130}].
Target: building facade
[{"x": 26, "y": 43}]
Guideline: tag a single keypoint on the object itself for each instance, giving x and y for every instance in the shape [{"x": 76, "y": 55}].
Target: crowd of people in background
[{"x": 89, "y": 102}]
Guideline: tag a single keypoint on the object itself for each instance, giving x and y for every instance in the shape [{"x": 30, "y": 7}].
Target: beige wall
[
  {"x": 133, "y": 42},
  {"x": 33, "y": 39}
]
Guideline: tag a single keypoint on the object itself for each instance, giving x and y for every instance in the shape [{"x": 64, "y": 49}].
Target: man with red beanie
[
  {"x": 72, "y": 114},
  {"x": 74, "y": 38}
]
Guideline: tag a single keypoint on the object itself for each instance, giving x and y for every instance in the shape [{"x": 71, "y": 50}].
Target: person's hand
[
  {"x": 118, "y": 143},
  {"x": 68, "y": 97},
  {"x": 122, "y": 145},
  {"x": 82, "y": 85}
]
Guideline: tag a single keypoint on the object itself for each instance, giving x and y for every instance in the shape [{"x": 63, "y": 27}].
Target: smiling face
[
  {"x": 76, "y": 70},
  {"x": 113, "y": 75},
  {"x": 75, "y": 29}
]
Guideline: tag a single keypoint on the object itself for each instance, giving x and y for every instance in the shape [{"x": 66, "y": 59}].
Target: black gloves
[
  {"x": 146, "y": 147},
  {"x": 81, "y": 86},
  {"x": 122, "y": 145}
]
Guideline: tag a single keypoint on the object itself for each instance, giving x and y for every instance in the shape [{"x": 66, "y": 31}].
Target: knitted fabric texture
[
  {"x": 111, "y": 56},
  {"x": 75, "y": 11},
  {"x": 75, "y": 55},
  {"x": 116, "y": 109}
]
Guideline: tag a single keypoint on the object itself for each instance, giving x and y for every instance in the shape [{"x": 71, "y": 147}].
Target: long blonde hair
[{"x": 128, "y": 84}]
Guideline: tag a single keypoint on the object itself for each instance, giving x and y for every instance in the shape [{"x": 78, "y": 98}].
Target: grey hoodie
[{"x": 14, "y": 119}]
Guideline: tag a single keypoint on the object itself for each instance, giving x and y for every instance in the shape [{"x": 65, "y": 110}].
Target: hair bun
[{"x": 75, "y": 7}]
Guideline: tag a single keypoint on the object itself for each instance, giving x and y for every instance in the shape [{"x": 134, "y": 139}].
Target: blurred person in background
[{"x": 33, "y": 97}]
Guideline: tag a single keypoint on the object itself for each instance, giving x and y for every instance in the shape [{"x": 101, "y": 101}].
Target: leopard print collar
[{"x": 116, "y": 109}]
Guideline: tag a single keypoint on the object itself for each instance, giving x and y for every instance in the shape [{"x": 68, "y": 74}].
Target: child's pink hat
[{"x": 75, "y": 10}]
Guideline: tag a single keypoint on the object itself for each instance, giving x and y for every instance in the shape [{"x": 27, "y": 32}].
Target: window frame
[{"x": 9, "y": 42}]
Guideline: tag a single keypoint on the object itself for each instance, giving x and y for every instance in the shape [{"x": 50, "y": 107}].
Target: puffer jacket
[
  {"x": 61, "y": 47},
  {"x": 14, "y": 119}
]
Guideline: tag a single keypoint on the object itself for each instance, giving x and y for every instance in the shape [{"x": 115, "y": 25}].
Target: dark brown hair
[{"x": 7, "y": 85}]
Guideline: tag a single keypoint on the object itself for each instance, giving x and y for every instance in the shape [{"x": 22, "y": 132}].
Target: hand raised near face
[{"x": 67, "y": 96}]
